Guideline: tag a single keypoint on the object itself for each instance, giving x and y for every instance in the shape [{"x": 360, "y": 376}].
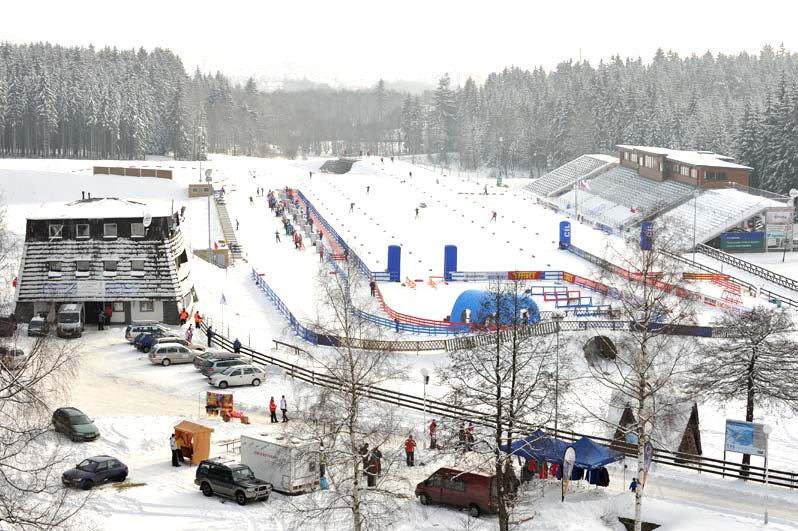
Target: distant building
[
  {"x": 703, "y": 169},
  {"x": 200, "y": 190},
  {"x": 103, "y": 252}
]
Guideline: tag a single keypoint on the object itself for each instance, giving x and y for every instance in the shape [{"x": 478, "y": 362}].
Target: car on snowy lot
[
  {"x": 193, "y": 347},
  {"x": 38, "y": 326},
  {"x": 133, "y": 330},
  {"x": 238, "y": 375},
  {"x": 74, "y": 424},
  {"x": 464, "y": 490},
  {"x": 12, "y": 358},
  {"x": 95, "y": 471},
  {"x": 169, "y": 353},
  {"x": 147, "y": 340},
  {"x": 212, "y": 366},
  {"x": 216, "y": 354},
  {"x": 227, "y": 478}
]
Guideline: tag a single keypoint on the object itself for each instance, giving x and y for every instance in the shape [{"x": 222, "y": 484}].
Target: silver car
[
  {"x": 193, "y": 347},
  {"x": 169, "y": 353},
  {"x": 238, "y": 375}
]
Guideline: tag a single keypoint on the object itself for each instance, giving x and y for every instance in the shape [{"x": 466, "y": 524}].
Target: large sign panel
[
  {"x": 742, "y": 241},
  {"x": 745, "y": 437}
]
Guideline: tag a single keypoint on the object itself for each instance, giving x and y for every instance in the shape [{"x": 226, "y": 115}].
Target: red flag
[
  {"x": 14, "y": 283},
  {"x": 633, "y": 211},
  {"x": 215, "y": 246}
]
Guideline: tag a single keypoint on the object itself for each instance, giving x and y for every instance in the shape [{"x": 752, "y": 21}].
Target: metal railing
[{"x": 748, "y": 267}]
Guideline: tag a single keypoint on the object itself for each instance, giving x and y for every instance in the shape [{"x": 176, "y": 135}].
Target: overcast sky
[{"x": 358, "y": 42}]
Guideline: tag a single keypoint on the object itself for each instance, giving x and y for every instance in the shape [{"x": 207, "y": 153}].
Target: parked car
[
  {"x": 71, "y": 320},
  {"x": 238, "y": 375},
  {"x": 200, "y": 359},
  {"x": 8, "y": 325},
  {"x": 231, "y": 479},
  {"x": 215, "y": 365},
  {"x": 95, "y": 471},
  {"x": 38, "y": 326},
  {"x": 147, "y": 339},
  {"x": 193, "y": 347},
  {"x": 74, "y": 424},
  {"x": 12, "y": 358},
  {"x": 169, "y": 353},
  {"x": 137, "y": 328},
  {"x": 455, "y": 488}
]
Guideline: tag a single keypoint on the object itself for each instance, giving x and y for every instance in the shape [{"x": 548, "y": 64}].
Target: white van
[
  {"x": 289, "y": 464},
  {"x": 71, "y": 320}
]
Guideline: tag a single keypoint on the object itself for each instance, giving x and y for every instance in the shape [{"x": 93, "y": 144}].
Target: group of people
[
  {"x": 104, "y": 317},
  {"x": 283, "y": 408}
]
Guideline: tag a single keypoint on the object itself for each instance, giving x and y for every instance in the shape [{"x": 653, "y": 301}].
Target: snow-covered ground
[{"x": 136, "y": 403}]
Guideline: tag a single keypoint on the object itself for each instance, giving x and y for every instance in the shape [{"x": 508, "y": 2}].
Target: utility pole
[{"x": 209, "y": 180}]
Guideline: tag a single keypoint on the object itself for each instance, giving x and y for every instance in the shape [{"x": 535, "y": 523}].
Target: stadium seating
[
  {"x": 625, "y": 187},
  {"x": 714, "y": 211},
  {"x": 566, "y": 175}
]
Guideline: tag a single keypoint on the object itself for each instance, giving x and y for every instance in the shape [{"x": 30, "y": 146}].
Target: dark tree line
[{"x": 80, "y": 102}]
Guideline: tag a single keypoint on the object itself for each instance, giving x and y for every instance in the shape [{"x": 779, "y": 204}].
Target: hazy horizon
[{"x": 357, "y": 43}]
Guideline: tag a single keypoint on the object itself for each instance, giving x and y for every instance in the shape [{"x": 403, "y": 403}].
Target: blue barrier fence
[{"x": 298, "y": 328}]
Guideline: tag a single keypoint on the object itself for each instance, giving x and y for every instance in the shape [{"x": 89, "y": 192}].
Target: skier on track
[
  {"x": 351, "y": 207},
  {"x": 493, "y": 216}
]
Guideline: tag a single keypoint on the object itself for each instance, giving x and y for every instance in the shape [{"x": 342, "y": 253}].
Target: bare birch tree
[
  {"x": 507, "y": 374},
  {"x": 344, "y": 419}
]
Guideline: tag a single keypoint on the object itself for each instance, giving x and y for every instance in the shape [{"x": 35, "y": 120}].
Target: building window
[
  {"x": 56, "y": 231},
  {"x": 82, "y": 231},
  {"x": 205, "y": 189},
  {"x": 109, "y": 265},
  {"x": 109, "y": 230},
  {"x": 54, "y": 265},
  {"x": 714, "y": 175},
  {"x": 693, "y": 173},
  {"x": 118, "y": 307},
  {"x": 137, "y": 264},
  {"x": 146, "y": 306},
  {"x": 137, "y": 230},
  {"x": 84, "y": 266}
]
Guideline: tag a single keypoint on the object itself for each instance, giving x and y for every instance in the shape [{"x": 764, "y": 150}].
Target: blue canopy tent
[
  {"x": 591, "y": 455},
  {"x": 480, "y": 306},
  {"x": 539, "y": 447}
]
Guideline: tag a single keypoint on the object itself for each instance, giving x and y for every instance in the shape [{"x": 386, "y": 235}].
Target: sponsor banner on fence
[{"x": 524, "y": 275}]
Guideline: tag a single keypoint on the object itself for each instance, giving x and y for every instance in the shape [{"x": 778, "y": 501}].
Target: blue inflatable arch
[{"x": 477, "y": 306}]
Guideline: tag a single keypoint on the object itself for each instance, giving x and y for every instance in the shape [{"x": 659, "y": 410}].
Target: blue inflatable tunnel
[{"x": 476, "y": 306}]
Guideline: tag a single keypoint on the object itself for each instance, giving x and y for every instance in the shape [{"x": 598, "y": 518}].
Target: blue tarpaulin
[
  {"x": 540, "y": 447},
  {"x": 591, "y": 455}
]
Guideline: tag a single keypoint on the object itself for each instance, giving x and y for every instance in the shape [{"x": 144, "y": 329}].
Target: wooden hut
[{"x": 194, "y": 441}]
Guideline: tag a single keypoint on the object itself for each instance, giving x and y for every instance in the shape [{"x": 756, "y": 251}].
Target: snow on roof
[
  {"x": 695, "y": 158},
  {"x": 103, "y": 207},
  {"x": 281, "y": 440},
  {"x": 605, "y": 158}
]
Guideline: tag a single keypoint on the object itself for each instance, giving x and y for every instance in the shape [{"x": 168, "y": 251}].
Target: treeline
[
  {"x": 745, "y": 106},
  {"x": 122, "y": 104}
]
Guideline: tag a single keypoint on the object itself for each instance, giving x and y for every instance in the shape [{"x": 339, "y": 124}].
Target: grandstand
[
  {"x": 623, "y": 186},
  {"x": 566, "y": 175},
  {"x": 595, "y": 208},
  {"x": 714, "y": 211}
]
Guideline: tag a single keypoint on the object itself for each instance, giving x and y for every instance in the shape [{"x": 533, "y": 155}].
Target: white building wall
[{"x": 137, "y": 315}]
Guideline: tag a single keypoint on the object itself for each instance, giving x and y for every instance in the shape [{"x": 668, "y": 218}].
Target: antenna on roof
[{"x": 147, "y": 220}]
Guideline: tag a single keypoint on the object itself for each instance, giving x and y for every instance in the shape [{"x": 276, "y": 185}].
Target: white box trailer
[{"x": 289, "y": 464}]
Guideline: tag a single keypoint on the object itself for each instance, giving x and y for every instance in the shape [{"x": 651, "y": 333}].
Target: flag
[
  {"x": 568, "y": 461},
  {"x": 215, "y": 246},
  {"x": 223, "y": 302},
  {"x": 585, "y": 185},
  {"x": 633, "y": 210}
]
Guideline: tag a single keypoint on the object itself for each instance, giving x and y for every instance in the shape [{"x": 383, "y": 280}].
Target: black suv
[
  {"x": 94, "y": 471},
  {"x": 227, "y": 478}
]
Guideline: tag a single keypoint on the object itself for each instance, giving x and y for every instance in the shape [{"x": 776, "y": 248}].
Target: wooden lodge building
[{"x": 106, "y": 252}]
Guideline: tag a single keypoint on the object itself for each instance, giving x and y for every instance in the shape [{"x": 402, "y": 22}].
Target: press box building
[{"x": 106, "y": 251}]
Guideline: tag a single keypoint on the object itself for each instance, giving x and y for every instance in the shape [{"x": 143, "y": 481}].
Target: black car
[
  {"x": 233, "y": 480},
  {"x": 38, "y": 326},
  {"x": 74, "y": 424},
  {"x": 94, "y": 471}
]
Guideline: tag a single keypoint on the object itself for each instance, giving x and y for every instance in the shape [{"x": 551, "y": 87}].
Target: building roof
[
  {"x": 694, "y": 158},
  {"x": 191, "y": 427},
  {"x": 103, "y": 207}
]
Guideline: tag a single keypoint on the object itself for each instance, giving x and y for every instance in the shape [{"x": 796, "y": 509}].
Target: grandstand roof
[{"x": 695, "y": 158}]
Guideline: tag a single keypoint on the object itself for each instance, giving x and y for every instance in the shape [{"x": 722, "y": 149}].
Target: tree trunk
[{"x": 749, "y": 411}]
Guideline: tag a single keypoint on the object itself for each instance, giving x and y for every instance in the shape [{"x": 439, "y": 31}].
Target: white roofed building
[{"x": 106, "y": 252}]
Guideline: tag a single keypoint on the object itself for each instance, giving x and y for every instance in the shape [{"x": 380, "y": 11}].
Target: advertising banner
[
  {"x": 648, "y": 454},
  {"x": 745, "y": 437},
  {"x": 742, "y": 241},
  {"x": 523, "y": 275}
]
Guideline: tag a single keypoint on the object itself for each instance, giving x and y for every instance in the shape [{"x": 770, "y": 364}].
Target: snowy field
[{"x": 136, "y": 403}]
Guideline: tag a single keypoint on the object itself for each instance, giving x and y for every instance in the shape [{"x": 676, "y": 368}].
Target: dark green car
[{"x": 74, "y": 424}]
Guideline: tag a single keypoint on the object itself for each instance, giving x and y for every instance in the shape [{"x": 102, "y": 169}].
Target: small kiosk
[{"x": 194, "y": 441}]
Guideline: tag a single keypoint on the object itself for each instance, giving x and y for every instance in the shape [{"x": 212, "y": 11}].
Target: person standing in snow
[
  {"x": 251, "y": 202},
  {"x": 237, "y": 346},
  {"x": 486, "y": 189},
  {"x": 273, "y": 410},
  {"x": 411, "y": 174},
  {"x": 210, "y": 335},
  {"x": 367, "y": 189},
  {"x": 197, "y": 320},
  {"x": 173, "y": 447},
  {"x": 100, "y": 320},
  {"x": 633, "y": 485},
  {"x": 322, "y": 460},
  {"x": 108, "y": 313},
  {"x": 410, "y": 450},
  {"x": 351, "y": 207},
  {"x": 277, "y": 236},
  {"x": 183, "y": 317},
  {"x": 493, "y": 216},
  {"x": 433, "y": 435},
  {"x": 236, "y": 224},
  {"x": 470, "y": 437},
  {"x": 373, "y": 286},
  {"x": 416, "y": 212},
  {"x": 284, "y": 408}
]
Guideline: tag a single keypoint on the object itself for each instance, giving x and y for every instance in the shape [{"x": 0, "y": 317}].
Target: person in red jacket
[
  {"x": 433, "y": 435},
  {"x": 108, "y": 313},
  {"x": 273, "y": 410},
  {"x": 410, "y": 449}
]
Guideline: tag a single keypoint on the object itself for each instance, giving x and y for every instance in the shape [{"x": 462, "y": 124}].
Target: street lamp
[
  {"x": 557, "y": 317},
  {"x": 695, "y": 217},
  {"x": 425, "y": 375},
  {"x": 766, "y": 429},
  {"x": 208, "y": 180}
]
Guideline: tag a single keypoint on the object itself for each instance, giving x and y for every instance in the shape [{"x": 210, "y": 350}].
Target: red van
[{"x": 447, "y": 486}]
